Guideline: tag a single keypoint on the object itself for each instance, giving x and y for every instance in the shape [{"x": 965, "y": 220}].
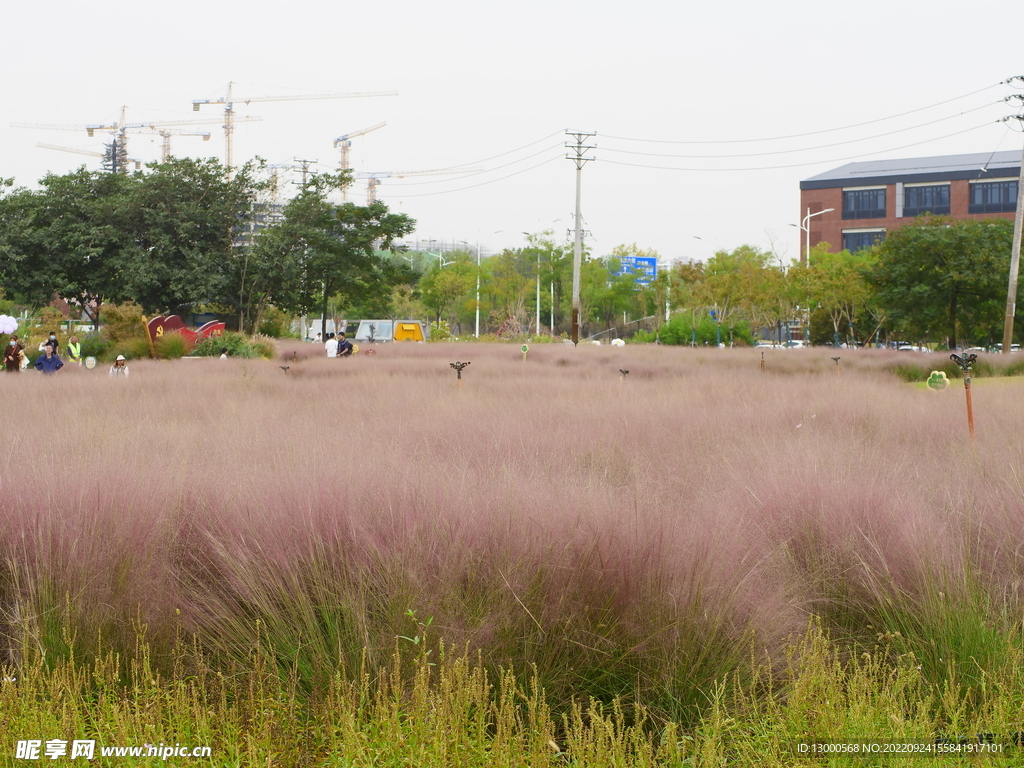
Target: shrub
[
  {"x": 172, "y": 346},
  {"x": 276, "y": 324},
  {"x": 94, "y": 345},
  {"x": 237, "y": 345},
  {"x": 440, "y": 331},
  {"x": 265, "y": 345},
  {"x": 679, "y": 331},
  {"x": 133, "y": 349},
  {"x": 51, "y": 318},
  {"x": 122, "y": 321}
]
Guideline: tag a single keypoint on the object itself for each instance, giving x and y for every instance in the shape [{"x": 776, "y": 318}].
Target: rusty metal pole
[
  {"x": 970, "y": 407},
  {"x": 965, "y": 364},
  {"x": 762, "y": 362}
]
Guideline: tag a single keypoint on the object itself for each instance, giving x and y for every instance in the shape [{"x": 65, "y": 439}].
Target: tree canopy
[{"x": 943, "y": 277}]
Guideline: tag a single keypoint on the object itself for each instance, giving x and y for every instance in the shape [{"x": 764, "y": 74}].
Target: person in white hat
[{"x": 119, "y": 368}]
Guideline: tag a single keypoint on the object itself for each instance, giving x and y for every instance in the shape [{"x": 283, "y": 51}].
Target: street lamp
[
  {"x": 805, "y": 225},
  {"x": 477, "y": 249},
  {"x": 440, "y": 259},
  {"x": 496, "y": 232}
]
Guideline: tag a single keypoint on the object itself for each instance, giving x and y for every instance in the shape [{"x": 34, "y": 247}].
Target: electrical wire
[
  {"x": 801, "y": 165},
  {"x": 804, "y": 149},
  {"x": 477, "y": 173},
  {"x": 472, "y": 186},
  {"x": 811, "y": 133}
]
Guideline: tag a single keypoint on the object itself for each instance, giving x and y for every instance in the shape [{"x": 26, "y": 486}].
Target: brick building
[{"x": 869, "y": 199}]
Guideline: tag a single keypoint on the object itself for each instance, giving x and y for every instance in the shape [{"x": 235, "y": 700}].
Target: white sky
[{"x": 478, "y": 80}]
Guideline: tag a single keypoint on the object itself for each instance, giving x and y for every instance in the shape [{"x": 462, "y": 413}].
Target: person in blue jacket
[{"x": 48, "y": 362}]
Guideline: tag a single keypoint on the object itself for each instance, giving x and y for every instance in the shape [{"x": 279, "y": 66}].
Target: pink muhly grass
[{"x": 639, "y": 536}]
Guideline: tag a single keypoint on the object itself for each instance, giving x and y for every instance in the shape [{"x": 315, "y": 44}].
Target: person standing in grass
[
  {"x": 48, "y": 362},
  {"x": 51, "y": 341},
  {"x": 119, "y": 370},
  {"x": 74, "y": 351},
  {"x": 344, "y": 346},
  {"x": 331, "y": 346},
  {"x": 12, "y": 355}
]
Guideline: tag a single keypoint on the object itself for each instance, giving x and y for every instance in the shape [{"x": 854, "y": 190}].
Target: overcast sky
[{"x": 687, "y": 101}]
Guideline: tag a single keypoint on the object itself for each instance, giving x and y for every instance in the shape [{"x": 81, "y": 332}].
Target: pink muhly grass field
[{"x": 641, "y": 535}]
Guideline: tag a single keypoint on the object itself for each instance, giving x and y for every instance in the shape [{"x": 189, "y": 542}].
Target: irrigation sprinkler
[
  {"x": 623, "y": 373},
  {"x": 762, "y": 361},
  {"x": 837, "y": 359},
  {"x": 295, "y": 357},
  {"x": 284, "y": 368},
  {"x": 525, "y": 348},
  {"x": 458, "y": 371},
  {"x": 965, "y": 364}
]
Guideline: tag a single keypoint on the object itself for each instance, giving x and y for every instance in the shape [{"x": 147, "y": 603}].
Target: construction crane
[
  {"x": 228, "y": 100},
  {"x": 122, "y": 127},
  {"x": 90, "y": 152},
  {"x": 374, "y": 177},
  {"x": 345, "y": 144},
  {"x": 165, "y": 144}
]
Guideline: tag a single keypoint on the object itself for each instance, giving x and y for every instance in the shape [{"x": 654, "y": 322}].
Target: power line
[
  {"x": 474, "y": 186},
  {"x": 807, "y": 149},
  {"x": 802, "y": 165},
  {"x": 811, "y": 133},
  {"x": 478, "y": 173}
]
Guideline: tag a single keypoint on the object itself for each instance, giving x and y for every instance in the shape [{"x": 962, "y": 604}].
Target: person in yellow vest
[{"x": 74, "y": 351}]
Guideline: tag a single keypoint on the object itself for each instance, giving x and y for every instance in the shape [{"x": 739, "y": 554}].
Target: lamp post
[
  {"x": 805, "y": 225},
  {"x": 477, "y": 248},
  {"x": 440, "y": 259}
]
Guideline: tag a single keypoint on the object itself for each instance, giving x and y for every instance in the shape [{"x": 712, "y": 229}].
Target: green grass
[{"x": 446, "y": 709}]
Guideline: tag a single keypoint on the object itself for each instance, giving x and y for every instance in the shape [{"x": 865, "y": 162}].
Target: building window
[
  {"x": 858, "y": 240},
  {"x": 920, "y": 200},
  {"x": 993, "y": 197},
  {"x": 864, "y": 203}
]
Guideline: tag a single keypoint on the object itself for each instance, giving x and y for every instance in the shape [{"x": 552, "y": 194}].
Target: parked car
[{"x": 903, "y": 347}]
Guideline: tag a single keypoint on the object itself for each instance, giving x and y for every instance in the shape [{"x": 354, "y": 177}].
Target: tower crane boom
[
  {"x": 123, "y": 127},
  {"x": 90, "y": 152},
  {"x": 345, "y": 143},
  {"x": 228, "y": 100}
]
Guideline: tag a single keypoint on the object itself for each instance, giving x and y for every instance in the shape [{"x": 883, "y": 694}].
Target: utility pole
[
  {"x": 305, "y": 164},
  {"x": 1018, "y": 219},
  {"x": 578, "y": 157}
]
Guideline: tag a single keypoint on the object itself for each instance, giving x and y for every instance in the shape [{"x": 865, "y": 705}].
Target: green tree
[
  {"x": 443, "y": 288},
  {"x": 728, "y": 282},
  {"x": 942, "y": 277},
  {"x": 552, "y": 266},
  {"x": 836, "y": 284},
  {"x": 160, "y": 237},
  {"x": 321, "y": 249},
  {"x": 66, "y": 239},
  {"x": 184, "y": 217}
]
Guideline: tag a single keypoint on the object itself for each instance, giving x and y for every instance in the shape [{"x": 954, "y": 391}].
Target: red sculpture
[{"x": 160, "y": 326}]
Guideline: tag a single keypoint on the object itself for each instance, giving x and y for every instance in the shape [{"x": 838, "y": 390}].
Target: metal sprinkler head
[
  {"x": 623, "y": 371},
  {"x": 284, "y": 368},
  {"x": 964, "y": 362},
  {"x": 458, "y": 368},
  {"x": 837, "y": 359}
]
